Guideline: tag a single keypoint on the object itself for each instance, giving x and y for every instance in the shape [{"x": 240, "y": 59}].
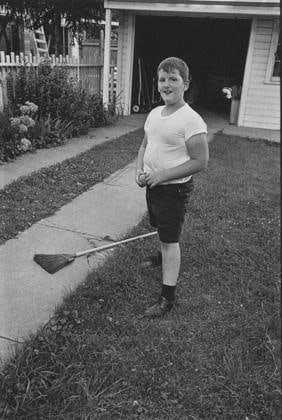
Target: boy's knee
[{"x": 167, "y": 246}]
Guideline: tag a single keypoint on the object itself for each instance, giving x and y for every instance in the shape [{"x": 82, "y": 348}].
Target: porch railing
[{"x": 88, "y": 74}]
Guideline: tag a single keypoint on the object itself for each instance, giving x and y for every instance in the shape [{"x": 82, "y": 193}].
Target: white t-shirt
[{"x": 166, "y": 136}]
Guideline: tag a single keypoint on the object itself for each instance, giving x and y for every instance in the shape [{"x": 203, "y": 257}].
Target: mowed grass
[
  {"x": 39, "y": 195},
  {"x": 217, "y": 356}
]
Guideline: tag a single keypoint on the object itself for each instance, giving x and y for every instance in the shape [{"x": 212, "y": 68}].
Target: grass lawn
[
  {"x": 217, "y": 356},
  {"x": 37, "y": 196}
]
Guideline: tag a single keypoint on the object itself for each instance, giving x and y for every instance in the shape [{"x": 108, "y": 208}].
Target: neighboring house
[
  {"x": 19, "y": 44},
  {"x": 224, "y": 42},
  {"x": 16, "y": 38}
]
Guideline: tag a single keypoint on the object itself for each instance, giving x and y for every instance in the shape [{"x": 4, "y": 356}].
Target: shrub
[
  {"x": 50, "y": 132},
  {"x": 114, "y": 111},
  {"x": 23, "y": 123},
  {"x": 9, "y": 144},
  {"x": 22, "y": 87},
  {"x": 46, "y": 106},
  {"x": 57, "y": 96},
  {"x": 27, "y": 131}
]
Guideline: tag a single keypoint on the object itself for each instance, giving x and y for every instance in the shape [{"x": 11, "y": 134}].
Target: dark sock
[
  {"x": 157, "y": 259},
  {"x": 168, "y": 292}
]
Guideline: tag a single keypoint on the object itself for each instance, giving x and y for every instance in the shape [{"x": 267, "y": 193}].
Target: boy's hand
[
  {"x": 140, "y": 178},
  {"x": 154, "y": 178}
]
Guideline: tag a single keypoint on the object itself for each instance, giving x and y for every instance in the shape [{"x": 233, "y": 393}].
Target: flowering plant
[
  {"x": 29, "y": 108},
  {"x": 233, "y": 92},
  {"x": 25, "y": 144},
  {"x": 23, "y": 123}
]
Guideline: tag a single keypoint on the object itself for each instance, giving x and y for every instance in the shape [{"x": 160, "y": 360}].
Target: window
[
  {"x": 273, "y": 65},
  {"x": 276, "y": 67}
]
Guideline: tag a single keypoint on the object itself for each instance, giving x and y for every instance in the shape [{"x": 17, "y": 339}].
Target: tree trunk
[
  {"x": 58, "y": 36},
  {"x": 3, "y": 33}
]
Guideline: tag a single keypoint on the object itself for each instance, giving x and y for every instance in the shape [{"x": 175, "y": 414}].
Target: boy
[{"x": 173, "y": 149}]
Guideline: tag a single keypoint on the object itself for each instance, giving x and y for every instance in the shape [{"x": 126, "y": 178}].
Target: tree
[{"x": 78, "y": 14}]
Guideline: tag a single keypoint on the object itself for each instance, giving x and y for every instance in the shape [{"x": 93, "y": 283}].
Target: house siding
[{"x": 262, "y": 106}]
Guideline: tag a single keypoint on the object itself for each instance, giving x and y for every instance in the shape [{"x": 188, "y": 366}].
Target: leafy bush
[
  {"x": 9, "y": 144},
  {"x": 57, "y": 96},
  {"x": 115, "y": 110},
  {"x": 22, "y": 87},
  {"x": 46, "y": 106},
  {"x": 50, "y": 132},
  {"x": 23, "y": 124}
]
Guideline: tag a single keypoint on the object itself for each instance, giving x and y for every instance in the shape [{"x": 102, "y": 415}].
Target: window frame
[{"x": 269, "y": 78}]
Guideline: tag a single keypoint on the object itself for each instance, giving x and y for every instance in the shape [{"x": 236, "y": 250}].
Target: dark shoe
[
  {"x": 153, "y": 261},
  {"x": 160, "y": 308}
]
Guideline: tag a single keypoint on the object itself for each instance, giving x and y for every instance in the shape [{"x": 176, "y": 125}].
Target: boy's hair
[{"x": 174, "y": 63}]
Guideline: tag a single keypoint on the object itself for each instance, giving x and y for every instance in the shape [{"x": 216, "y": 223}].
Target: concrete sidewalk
[
  {"x": 253, "y": 133},
  {"x": 29, "y": 294},
  {"x": 111, "y": 208}
]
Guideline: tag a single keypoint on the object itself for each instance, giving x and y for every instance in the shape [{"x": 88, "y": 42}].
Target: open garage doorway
[{"x": 214, "y": 49}]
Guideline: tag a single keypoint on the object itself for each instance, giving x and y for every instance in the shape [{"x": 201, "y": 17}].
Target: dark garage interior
[{"x": 214, "y": 49}]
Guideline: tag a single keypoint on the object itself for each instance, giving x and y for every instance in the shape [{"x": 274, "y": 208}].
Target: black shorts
[{"x": 167, "y": 205}]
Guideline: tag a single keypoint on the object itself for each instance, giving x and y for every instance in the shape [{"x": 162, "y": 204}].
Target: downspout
[{"x": 107, "y": 52}]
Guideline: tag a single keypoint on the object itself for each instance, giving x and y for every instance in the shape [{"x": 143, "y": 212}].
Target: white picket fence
[{"x": 88, "y": 74}]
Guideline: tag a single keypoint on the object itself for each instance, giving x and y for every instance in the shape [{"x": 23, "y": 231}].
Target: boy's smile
[{"x": 171, "y": 87}]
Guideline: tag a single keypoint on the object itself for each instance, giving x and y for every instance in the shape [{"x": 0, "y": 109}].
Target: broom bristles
[{"x": 53, "y": 262}]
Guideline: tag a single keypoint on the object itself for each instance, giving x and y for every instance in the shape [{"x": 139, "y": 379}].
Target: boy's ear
[{"x": 186, "y": 85}]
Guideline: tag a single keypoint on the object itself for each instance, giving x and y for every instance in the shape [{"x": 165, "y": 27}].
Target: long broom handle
[{"x": 109, "y": 246}]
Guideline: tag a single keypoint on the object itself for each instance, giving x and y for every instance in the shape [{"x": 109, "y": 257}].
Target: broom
[{"x": 55, "y": 262}]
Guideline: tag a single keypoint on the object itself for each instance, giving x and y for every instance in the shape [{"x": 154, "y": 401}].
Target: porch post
[
  {"x": 129, "y": 61},
  {"x": 107, "y": 52}
]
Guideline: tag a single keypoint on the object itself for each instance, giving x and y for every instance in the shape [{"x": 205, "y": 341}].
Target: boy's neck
[{"x": 170, "y": 108}]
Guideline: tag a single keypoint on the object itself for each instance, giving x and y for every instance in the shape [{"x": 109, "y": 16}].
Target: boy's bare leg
[
  {"x": 171, "y": 266},
  {"x": 170, "y": 262}
]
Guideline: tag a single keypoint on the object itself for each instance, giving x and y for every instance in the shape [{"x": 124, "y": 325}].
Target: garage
[
  {"x": 225, "y": 43},
  {"x": 215, "y": 50}
]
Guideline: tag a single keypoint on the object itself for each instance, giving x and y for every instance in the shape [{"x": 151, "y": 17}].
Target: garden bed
[{"x": 45, "y": 107}]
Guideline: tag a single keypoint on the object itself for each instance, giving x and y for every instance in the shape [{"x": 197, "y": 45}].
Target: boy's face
[{"x": 171, "y": 86}]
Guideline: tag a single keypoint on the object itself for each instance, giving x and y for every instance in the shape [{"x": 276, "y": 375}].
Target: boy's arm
[
  {"x": 140, "y": 160},
  {"x": 197, "y": 147}
]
